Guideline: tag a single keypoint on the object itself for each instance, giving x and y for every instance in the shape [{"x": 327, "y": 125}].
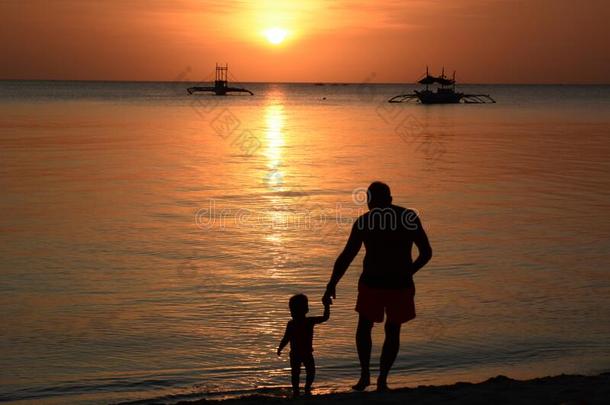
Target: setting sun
[{"x": 275, "y": 35}]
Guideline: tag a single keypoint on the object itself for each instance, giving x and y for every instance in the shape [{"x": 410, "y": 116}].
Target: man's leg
[
  {"x": 388, "y": 353},
  {"x": 364, "y": 344}
]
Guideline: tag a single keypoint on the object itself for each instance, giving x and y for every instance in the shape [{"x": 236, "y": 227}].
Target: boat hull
[
  {"x": 428, "y": 97},
  {"x": 219, "y": 91}
]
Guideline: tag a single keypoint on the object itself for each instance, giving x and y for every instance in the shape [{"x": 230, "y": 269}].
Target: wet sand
[{"x": 563, "y": 389}]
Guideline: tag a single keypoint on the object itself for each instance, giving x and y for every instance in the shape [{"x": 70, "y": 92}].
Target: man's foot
[
  {"x": 307, "y": 391},
  {"x": 296, "y": 393},
  {"x": 361, "y": 385},
  {"x": 382, "y": 386}
]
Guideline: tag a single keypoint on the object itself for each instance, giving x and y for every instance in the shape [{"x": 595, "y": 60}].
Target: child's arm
[
  {"x": 325, "y": 316},
  {"x": 285, "y": 339}
]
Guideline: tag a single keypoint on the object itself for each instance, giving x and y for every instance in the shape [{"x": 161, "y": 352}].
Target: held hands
[{"x": 329, "y": 294}]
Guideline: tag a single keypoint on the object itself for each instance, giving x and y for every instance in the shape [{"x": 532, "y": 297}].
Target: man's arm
[
  {"x": 350, "y": 251},
  {"x": 423, "y": 246},
  {"x": 285, "y": 340}
]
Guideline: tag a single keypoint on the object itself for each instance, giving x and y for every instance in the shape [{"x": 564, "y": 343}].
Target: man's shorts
[{"x": 398, "y": 304}]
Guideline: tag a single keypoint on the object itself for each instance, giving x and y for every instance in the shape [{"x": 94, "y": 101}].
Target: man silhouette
[{"x": 386, "y": 283}]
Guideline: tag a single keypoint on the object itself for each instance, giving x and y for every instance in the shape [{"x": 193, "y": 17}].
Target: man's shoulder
[
  {"x": 404, "y": 218},
  {"x": 395, "y": 208},
  {"x": 405, "y": 213}
]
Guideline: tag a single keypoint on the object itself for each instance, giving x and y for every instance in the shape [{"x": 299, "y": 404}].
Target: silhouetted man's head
[
  {"x": 379, "y": 195},
  {"x": 299, "y": 305}
]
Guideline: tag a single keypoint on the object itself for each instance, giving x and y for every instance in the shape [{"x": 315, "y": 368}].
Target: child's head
[{"x": 299, "y": 305}]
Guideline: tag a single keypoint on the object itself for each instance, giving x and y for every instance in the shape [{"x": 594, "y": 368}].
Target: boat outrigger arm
[
  {"x": 445, "y": 93},
  {"x": 221, "y": 84}
]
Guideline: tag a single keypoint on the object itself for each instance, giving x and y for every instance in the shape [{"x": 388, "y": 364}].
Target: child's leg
[
  {"x": 310, "y": 369},
  {"x": 295, "y": 371}
]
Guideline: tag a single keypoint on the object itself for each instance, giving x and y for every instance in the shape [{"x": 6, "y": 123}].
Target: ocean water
[{"x": 150, "y": 240}]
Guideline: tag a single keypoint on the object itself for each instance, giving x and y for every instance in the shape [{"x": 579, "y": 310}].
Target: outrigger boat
[
  {"x": 221, "y": 84},
  {"x": 445, "y": 93}
]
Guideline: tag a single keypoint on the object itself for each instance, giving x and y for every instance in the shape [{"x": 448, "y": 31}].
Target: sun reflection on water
[
  {"x": 274, "y": 179},
  {"x": 274, "y": 119}
]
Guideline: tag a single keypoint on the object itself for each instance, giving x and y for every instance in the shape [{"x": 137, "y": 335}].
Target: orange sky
[{"x": 486, "y": 41}]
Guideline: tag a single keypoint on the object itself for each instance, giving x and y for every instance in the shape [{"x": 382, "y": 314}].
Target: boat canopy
[{"x": 434, "y": 79}]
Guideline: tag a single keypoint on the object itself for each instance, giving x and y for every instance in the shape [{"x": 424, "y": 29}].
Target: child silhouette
[{"x": 299, "y": 332}]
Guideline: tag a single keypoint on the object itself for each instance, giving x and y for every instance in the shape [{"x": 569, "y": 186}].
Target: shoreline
[{"x": 560, "y": 389}]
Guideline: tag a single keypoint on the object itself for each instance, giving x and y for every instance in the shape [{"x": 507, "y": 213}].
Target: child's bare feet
[
  {"x": 296, "y": 393},
  {"x": 364, "y": 382}
]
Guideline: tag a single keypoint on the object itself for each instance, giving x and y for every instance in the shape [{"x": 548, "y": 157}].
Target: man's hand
[
  {"x": 279, "y": 351},
  {"x": 329, "y": 294}
]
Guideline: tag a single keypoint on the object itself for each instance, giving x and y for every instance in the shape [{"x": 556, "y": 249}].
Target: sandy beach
[{"x": 562, "y": 389}]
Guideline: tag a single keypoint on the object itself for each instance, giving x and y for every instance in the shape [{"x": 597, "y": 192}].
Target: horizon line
[{"x": 299, "y": 82}]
